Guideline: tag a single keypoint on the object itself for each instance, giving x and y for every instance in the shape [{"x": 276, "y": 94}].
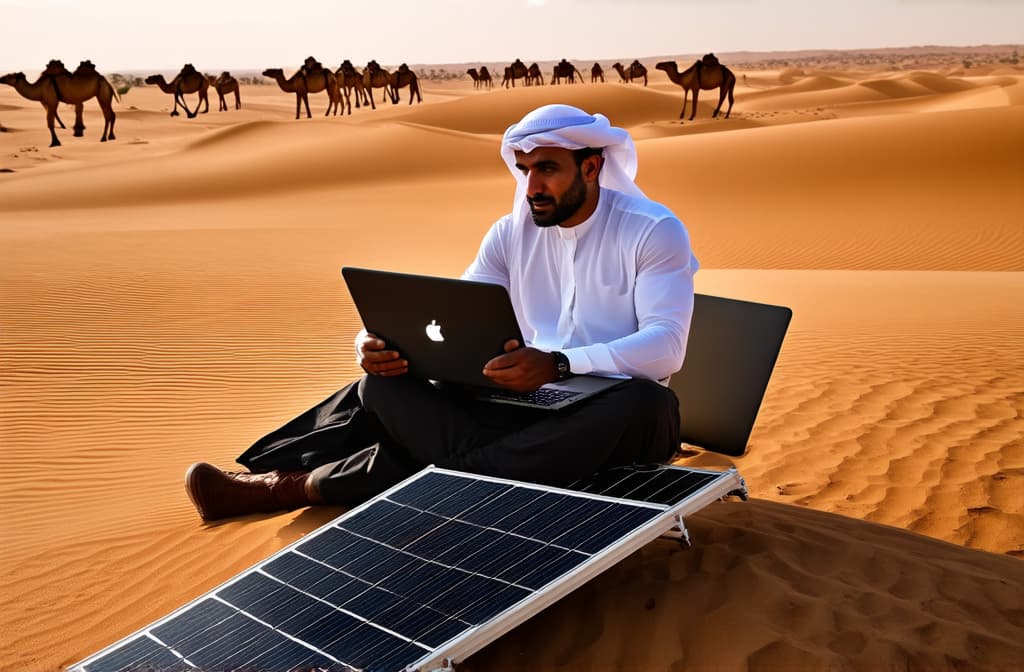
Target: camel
[
  {"x": 636, "y": 71},
  {"x": 517, "y": 70},
  {"x": 706, "y": 74},
  {"x": 596, "y": 73},
  {"x": 482, "y": 78},
  {"x": 405, "y": 77},
  {"x": 224, "y": 84},
  {"x": 319, "y": 78},
  {"x": 485, "y": 77},
  {"x": 189, "y": 80},
  {"x": 534, "y": 75},
  {"x": 376, "y": 77},
  {"x": 303, "y": 84},
  {"x": 56, "y": 85},
  {"x": 565, "y": 70},
  {"x": 350, "y": 79}
]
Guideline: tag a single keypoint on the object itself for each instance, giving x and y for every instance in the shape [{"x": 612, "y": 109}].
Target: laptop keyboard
[{"x": 543, "y": 396}]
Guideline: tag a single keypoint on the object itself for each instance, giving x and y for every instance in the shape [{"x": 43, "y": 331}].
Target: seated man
[{"x": 601, "y": 280}]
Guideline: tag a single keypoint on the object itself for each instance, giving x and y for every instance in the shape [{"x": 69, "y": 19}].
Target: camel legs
[
  {"x": 204, "y": 97},
  {"x": 51, "y": 114},
  {"x": 79, "y": 124},
  {"x": 693, "y": 110},
  {"x": 686, "y": 94},
  {"x": 56, "y": 116},
  {"x": 721, "y": 96},
  {"x": 238, "y": 100},
  {"x": 222, "y": 105}
]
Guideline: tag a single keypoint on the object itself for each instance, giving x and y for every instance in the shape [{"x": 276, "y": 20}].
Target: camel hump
[
  {"x": 225, "y": 74},
  {"x": 709, "y": 60},
  {"x": 55, "y": 67},
  {"x": 312, "y": 65},
  {"x": 188, "y": 69},
  {"x": 403, "y": 68},
  {"x": 85, "y": 67}
]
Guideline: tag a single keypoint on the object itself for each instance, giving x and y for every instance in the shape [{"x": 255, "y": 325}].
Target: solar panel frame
[{"x": 457, "y": 648}]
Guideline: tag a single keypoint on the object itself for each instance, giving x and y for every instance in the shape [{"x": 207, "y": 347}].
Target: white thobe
[{"x": 614, "y": 293}]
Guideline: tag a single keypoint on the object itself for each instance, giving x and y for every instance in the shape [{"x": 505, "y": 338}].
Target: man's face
[{"x": 556, "y": 188}]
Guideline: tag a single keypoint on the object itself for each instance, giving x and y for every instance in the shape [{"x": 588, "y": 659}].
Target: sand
[{"x": 175, "y": 294}]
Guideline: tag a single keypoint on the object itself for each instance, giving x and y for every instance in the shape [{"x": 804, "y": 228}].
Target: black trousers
[{"x": 636, "y": 422}]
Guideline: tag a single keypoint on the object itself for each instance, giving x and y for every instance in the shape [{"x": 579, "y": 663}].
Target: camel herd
[{"x": 57, "y": 85}]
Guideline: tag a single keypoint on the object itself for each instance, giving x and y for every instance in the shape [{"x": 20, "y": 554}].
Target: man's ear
[{"x": 591, "y": 167}]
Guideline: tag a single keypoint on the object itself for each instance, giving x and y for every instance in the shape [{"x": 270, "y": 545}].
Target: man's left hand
[{"x": 521, "y": 369}]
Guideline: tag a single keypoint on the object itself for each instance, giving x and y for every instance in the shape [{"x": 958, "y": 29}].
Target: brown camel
[
  {"x": 706, "y": 74},
  {"x": 224, "y": 84},
  {"x": 636, "y": 71},
  {"x": 596, "y": 73},
  {"x": 405, "y": 77},
  {"x": 376, "y": 77},
  {"x": 485, "y": 77},
  {"x": 349, "y": 80},
  {"x": 565, "y": 70},
  {"x": 319, "y": 78},
  {"x": 481, "y": 79},
  {"x": 189, "y": 80},
  {"x": 56, "y": 85},
  {"x": 302, "y": 85},
  {"x": 517, "y": 70},
  {"x": 534, "y": 75}
]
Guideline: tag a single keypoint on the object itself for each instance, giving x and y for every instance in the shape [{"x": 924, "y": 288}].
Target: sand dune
[{"x": 173, "y": 295}]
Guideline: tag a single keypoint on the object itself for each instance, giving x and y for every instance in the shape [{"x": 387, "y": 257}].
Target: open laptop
[{"x": 448, "y": 329}]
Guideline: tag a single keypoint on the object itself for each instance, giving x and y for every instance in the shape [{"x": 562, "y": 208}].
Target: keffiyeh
[{"x": 570, "y": 128}]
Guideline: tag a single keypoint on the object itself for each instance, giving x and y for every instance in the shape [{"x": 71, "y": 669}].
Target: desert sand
[{"x": 175, "y": 294}]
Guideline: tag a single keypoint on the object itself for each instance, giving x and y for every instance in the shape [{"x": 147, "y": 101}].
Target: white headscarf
[{"x": 570, "y": 128}]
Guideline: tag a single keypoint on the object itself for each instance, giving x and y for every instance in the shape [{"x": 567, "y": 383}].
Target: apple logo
[{"x": 434, "y": 332}]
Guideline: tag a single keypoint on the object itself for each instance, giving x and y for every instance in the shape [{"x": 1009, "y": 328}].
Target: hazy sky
[{"x": 243, "y": 34}]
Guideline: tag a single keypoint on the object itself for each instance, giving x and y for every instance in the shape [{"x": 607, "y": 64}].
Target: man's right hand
[{"x": 377, "y": 360}]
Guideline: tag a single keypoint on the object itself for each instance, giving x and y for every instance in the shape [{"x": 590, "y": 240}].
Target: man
[{"x": 601, "y": 280}]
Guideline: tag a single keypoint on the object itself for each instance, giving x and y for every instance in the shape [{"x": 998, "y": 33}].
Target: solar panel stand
[{"x": 679, "y": 532}]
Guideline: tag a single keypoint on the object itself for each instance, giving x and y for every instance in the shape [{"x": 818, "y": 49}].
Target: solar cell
[{"x": 425, "y": 573}]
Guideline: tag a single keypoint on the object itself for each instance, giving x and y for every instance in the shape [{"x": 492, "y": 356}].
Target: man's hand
[
  {"x": 521, "y": 369},
  {"x": 377, "y": 360}
]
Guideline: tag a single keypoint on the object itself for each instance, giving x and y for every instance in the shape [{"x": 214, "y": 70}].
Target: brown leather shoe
[{"x": 220, "y": 494}]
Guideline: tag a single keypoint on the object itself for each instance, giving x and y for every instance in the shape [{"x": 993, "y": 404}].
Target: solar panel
[{"x": 418, "y": 577}]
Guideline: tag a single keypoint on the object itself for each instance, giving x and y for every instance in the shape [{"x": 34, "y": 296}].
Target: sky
[{"x": 127, "y": 35}]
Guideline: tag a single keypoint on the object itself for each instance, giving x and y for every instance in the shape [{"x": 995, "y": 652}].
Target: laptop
[{"x": 448, "y": 329}]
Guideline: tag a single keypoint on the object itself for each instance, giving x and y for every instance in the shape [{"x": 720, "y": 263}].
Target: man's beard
[{"x": 564, "y": 208}]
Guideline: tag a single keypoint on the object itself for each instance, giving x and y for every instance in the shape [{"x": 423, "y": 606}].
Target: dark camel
[
  {"x": 636, "y": 71},
  {"x": 302, "y": 85},
  {"x": 565, "y": 70},
  {"x": 706, "y": 74},
  {"x": 481, "y": 79},
  {"x": 405, "y": 77},
  {"x": 225, "y": 84},
  {"x": 376, "y": 77},
  {"x": 56, "y": 85},
  {"x": 596, "y": 73},
  {"x": 517, "y": 70},
  {"x": 189, "y": 80},
  {"x": 534, "y": 75},
  {"x": 349, "y": 80}
]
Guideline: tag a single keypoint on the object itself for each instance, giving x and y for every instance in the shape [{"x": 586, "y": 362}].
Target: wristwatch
[{"x": 561, "y": 365}]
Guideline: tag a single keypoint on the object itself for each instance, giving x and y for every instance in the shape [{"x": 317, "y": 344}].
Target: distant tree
[{"x": 120, "y": 83}]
